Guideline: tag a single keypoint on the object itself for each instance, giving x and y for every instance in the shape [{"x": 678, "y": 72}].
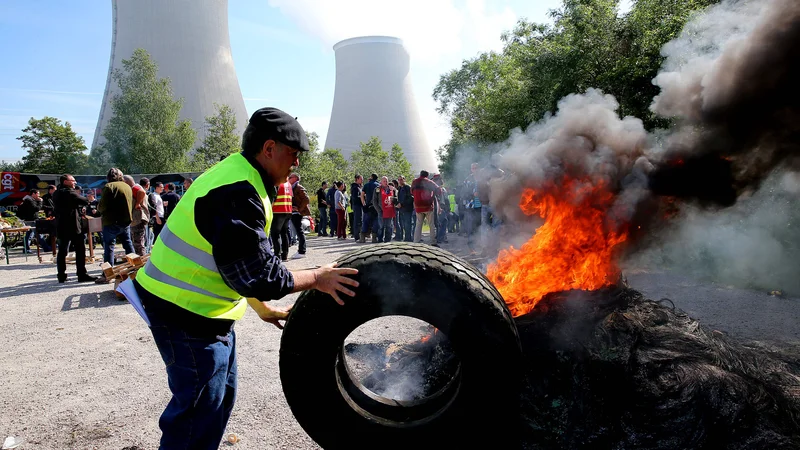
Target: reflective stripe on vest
[
  {"x": 181, "y": 268},
  {"x": 283, "y": 203}
]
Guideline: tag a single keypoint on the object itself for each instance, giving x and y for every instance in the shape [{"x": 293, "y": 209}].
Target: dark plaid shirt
[{"x": 231, "y": 218}]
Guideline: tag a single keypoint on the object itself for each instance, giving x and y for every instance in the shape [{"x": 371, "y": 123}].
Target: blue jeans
[
  {"x": 358, "y": 217},
  {"x": 385, "y": 229},
  {"x": 201, "y": 372},
  {"x": 406, "y": 231},
  {"x": 441, "y": 230},
  {"x": 26, "y": 242},
  {"x": 110, "y": 233},
  {"x": 323, "y": 221},
  {"x": 334, "y": 221},
  {"x": 369, "y": 223},
  {"x": 148, "y": 232}
]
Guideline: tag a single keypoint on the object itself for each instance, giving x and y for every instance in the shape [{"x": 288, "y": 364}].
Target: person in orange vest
[{"x": 281, "y": 215}]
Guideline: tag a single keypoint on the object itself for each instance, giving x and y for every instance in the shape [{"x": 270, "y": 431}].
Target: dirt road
[{"x": 80, "y": 370}]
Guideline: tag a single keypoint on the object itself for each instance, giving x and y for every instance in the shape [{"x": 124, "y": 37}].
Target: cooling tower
[
  {"x": 189, "y": 41},
  {"x": 373, "y": 97}
]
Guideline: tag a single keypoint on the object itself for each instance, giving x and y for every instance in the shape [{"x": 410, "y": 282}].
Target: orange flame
[
  {"x": 428, "y": 337},
  {"x": 573, "y": 249}
]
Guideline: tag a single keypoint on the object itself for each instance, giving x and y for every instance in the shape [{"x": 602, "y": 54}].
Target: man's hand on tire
[
  {"x": 332, "y": 280},
  {"x": 274, "y": 315},
  {"x": 268, "y": 313}
]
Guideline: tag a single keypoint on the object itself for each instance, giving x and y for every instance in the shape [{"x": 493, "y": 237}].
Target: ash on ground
[
  {"x": 611, "y": 369},
  {"x": 403, "y": 371}
]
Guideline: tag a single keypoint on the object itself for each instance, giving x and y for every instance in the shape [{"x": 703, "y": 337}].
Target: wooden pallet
[{"x": 122, "y": 272}]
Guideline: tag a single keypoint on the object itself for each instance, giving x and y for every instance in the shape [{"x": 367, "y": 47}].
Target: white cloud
[{"x": 431, "y": 29}]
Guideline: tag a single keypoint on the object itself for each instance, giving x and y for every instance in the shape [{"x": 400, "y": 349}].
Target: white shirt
[{"x": 159, "y": 206}]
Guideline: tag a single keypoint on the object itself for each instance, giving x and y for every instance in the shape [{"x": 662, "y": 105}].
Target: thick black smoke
[{"x": 736, "y": 100}]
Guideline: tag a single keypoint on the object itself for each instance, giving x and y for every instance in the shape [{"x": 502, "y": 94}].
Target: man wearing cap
[{"x": 213, "y": 253}]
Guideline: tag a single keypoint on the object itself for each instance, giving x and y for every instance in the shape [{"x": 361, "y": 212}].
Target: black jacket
[
  {"x": 405, "y": 198},
  {"x": 355, "y": 195},
  {"x": 47, "y": 204},
  {"x": 330, "y": 197},
  {"x": 67, "y": 211},
  {"x": 29, "y": 207},
  {"x": 321, "y": 201}
]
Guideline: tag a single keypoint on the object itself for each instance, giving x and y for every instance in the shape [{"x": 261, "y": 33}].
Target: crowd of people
[
  {"x": 382, "y": 211},
  {"x": 376, "y": 211},
  {"x": 131, "y": 214}
]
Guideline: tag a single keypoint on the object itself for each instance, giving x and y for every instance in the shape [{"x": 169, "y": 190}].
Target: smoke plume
[
  {"x": 730, "y": 85},
  {"x": 730, "y": 81}
]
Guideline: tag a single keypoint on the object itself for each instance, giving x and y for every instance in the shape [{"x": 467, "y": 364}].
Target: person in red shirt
[
  {"x": 384, "y": 201},
  {"x": 140, "y": 215},
  {"x": 425, "y": 192}
]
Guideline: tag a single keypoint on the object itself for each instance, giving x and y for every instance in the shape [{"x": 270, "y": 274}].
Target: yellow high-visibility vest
[{"x": 181, "y": 268}]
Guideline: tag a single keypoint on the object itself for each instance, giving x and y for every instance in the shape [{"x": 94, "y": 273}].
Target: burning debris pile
[{"x": 611, "y": 369}]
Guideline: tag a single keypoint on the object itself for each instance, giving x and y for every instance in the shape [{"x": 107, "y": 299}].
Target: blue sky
[{"x": 55, "y": 53}]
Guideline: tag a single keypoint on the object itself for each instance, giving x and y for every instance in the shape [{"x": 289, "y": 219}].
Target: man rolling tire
[{"x": 194, "y": 286}]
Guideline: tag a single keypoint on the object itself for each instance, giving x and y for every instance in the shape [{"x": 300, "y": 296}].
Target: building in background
[
  {"x": 373, "y": 97},
  {"x": 189, "y": 41}
]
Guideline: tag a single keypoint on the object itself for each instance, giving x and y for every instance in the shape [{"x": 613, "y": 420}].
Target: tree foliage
[
  {"x": 53, "y": 147},
  {"x": 400, "y": 165},
  {"x": 589, "y": 45},
  {"x": 220, "y": 140},
  {"x": 145, "y": 134},
  {"x": 9, "y": 166},
  {"x": 372, "y": 158},
  {"x": 317, "y": 166}
]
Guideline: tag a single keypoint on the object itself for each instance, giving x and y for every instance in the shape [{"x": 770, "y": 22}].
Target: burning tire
[{"x": 429, "y": 284}]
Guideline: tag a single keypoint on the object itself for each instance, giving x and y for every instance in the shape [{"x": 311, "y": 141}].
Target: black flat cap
[{"x": 281, "y": 127}]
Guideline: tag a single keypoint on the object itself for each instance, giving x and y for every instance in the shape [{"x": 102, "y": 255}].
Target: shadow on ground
[
  {"x": 92, "y": 300},
  {"x": 40, "y": 287}
]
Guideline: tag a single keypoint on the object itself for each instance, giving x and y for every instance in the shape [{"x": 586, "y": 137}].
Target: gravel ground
[{"x": 80, "y": 370}]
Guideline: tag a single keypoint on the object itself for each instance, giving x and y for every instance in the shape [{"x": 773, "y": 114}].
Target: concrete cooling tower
[
  {"x": 373, "y": 97},
  {"x": 189, "y": 41}
]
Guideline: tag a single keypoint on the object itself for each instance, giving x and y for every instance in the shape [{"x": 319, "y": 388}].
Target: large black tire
[{"x": 430, "y": 284}]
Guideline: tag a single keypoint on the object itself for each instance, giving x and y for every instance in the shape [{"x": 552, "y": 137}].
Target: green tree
[
  {"x": 317, "y": 166},
  {"x": 8, "y": 166},
  {"x": 370, "y": 158},
  {"x": 220, "y": 140},
  {"x": 145, "y": 134},
  {"x": 589, "y": 45},
  {"x": 52, "y": 147},
  {"x": 400, "y": 165}
]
